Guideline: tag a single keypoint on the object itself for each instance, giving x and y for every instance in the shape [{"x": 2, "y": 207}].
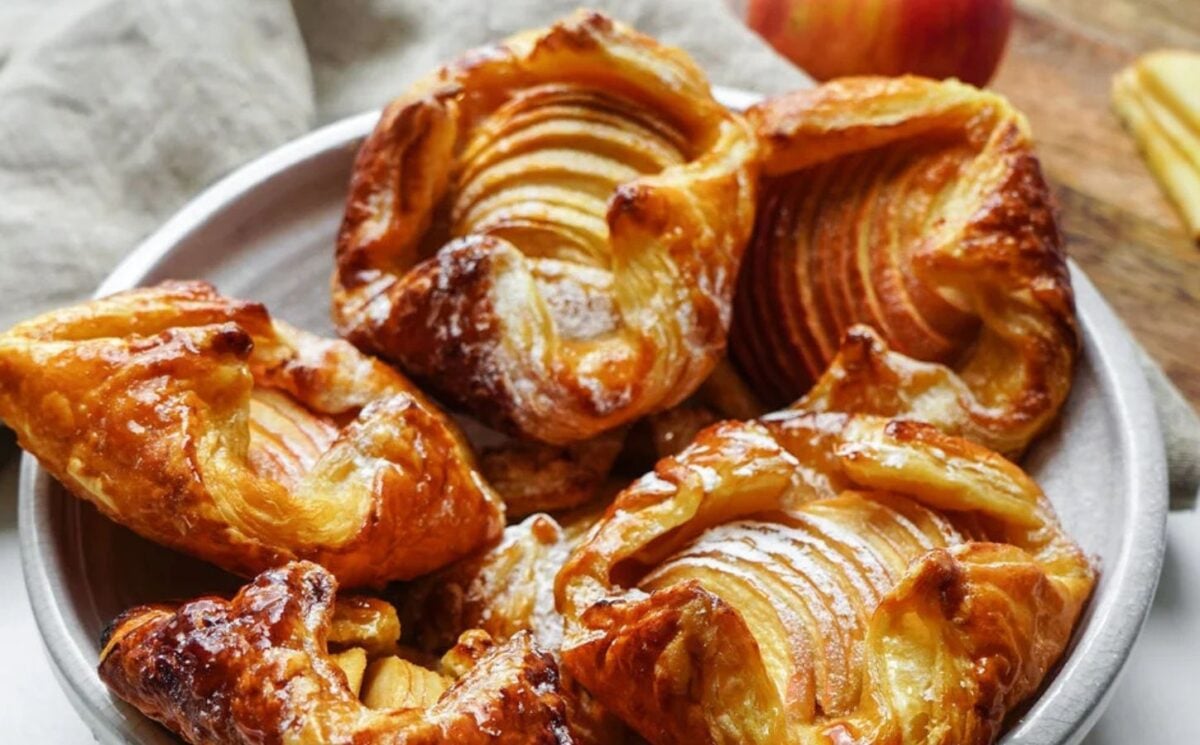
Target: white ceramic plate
[{"x": 267, "y": 232}]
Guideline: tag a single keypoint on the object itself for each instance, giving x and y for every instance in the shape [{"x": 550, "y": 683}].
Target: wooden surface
[{"x": 1119, "y": 226}]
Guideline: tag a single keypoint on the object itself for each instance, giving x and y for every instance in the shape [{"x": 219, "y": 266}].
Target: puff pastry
[
  {"x": 547, "y": 232},
  {"x": 204, "y": 425},
  {"x": 258, "y": 668},
  {"x": 916, "y": 208},
  {"x": 508, "y": 590},
  {"x": 822, "y": 578},
  {"x": 503, "y": 590}
]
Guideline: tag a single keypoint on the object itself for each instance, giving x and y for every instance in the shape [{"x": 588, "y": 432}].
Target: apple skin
[{"x": 935, "y": 38}]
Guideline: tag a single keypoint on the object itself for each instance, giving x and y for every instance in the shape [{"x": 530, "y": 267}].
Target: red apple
[{"x": 936, "y": 38}]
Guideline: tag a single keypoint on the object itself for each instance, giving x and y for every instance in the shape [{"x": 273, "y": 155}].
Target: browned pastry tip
[
  {"x": 547, "y": 232},
  {"x": 818, "y": 577},
  {"x": 906, "y": 261},
  {"x": 257, "y": 669},
  {"x": 503, "y": 589},
  {"x": 506, "y": 590},
  {"x": 204, "y": 425}
]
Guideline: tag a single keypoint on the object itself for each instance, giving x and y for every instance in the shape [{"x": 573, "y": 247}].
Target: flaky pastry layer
[
  {"x": 547, "y": 232},
  {"x": 906, "y": 261},
  {"x": 822, "y": 578},
  {"x": 258, "y": 668},
  {"x": 204, "y": 425}
]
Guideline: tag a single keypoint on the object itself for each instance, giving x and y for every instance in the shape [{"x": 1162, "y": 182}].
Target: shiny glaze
[
  {"x": 255, "y": 669},
  {"x": 822, "y": 578},
  {"x": 547, "y": 232},
  {"x": 906, "y": 261},
  {"x": 202, "y": 424},
  {"x": 507, "y": 590}
]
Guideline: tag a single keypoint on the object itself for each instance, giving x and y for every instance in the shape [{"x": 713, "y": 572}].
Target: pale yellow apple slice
[
  {"x": 353, "y": 663},
  {"x": 396, "y": 683},
  {"x": 1152, "y": 99},
  {"x": 1173, "y": 77}
]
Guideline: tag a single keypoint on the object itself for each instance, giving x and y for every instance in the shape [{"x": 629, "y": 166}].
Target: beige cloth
[{"x": 113, "y": 113}]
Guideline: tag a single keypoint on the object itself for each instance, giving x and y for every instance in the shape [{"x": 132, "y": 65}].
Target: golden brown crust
[
  {"x": 546, "y": 232},
  {"x": 503, "y": 590},
  {"x": 507, "y": 590},
  {"x": 203, "y": 425},
  {"x": 535, "y": 477},
  {"x": 256, "y": 669},
  {"x": 822, "y": 577},
  {"x": 917, "y": 209}
]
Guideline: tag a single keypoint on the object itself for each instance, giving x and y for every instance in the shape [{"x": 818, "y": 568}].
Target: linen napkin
[{"x": 113, "y": 113}]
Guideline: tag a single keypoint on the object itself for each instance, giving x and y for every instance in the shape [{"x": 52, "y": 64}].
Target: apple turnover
[
  {"x": 822, "y": 577},
  {"x": 547, "y": 232},
  {"x": 262, "y": 667},
  {"x": 906, "y": 261},
  {"x": 204, "y": 425}
]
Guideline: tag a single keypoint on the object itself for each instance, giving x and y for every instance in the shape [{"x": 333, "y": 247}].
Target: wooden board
[{"x": 1119, "y": 226}]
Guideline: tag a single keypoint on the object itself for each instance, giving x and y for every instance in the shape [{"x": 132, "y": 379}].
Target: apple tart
[
  {"x": 822, "y": 577},
  {"x": 286, "y": 661},
  {"x": 206, "y": 426},
  {"x": 906, "y": 261},
  {"x": 546, "y": 233}
]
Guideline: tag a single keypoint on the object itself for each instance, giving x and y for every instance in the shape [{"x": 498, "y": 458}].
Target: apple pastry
[
  {"x": 546, "y": 233},
  {"x": 822, "y": 577},
  {"x": 284, "y": 661},
  {"x": 906, "y": 261},
  {"x": 204, "y": 425}
]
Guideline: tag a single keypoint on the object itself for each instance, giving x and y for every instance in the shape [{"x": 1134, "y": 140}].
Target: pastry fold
[
  {"x": 906, "y": 261},
  {"x": 509, "y": 590},
  {"x": 822, "y": 578},
  {"x": 503, "y": 590},
  {"x": 547, "y": 232},
  {"x": 258, "y": 668},
  {"x": 204, "y": 425}
]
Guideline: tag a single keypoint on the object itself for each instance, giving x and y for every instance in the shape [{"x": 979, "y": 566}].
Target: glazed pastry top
[
  {"x": 201, "y": 423},
  {"x": 547, "y": 232}
]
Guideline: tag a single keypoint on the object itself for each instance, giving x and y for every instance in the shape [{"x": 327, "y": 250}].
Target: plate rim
[{"x": 1123, "y": 385}]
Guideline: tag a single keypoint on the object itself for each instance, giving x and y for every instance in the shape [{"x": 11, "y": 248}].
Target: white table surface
[{"x": 1157, "y": 700}]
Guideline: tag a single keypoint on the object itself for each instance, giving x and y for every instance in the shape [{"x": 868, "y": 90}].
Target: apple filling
[
  {"x": 364, "y": 644},
  {"x": 836, "y": 245},
  {"x": 286, "y": 438},
  {"x": 807, "y": 583},
  {"x": 539, "y": 172}
]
